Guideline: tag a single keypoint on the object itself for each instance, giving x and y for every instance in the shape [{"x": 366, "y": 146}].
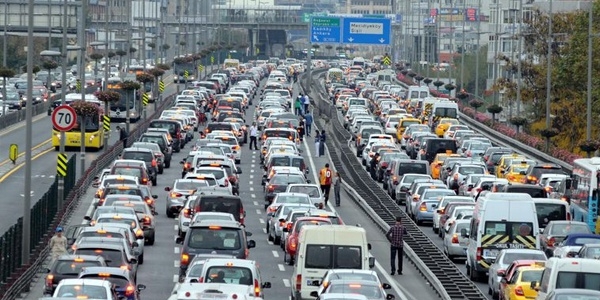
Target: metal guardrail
[
  {"x": 506, "y": 141},
  {"x": 447, "y": 279}
]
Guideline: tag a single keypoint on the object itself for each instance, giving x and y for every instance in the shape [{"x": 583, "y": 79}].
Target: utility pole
[
  {"x": 25, "y": 240},
  {"x": 143, "y": 46},
  {"x": 519, "y": 64},
  {"x": 63, "y": 93},
  {"x": 83, "y": 45},
  {"x": 462, "y": 51},
  {"x": 549, "y": 71},
  {"x": 588, "y": 128},
  {"x": 478, "y": 50}
]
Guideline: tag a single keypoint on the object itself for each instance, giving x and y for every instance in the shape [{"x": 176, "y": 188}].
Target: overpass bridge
[{"x": 48, "y": 17}]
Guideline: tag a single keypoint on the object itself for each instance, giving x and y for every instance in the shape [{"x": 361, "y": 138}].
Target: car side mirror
[
  {"x": 248, "y": 233},
  {"x": 179, "y": 240},
  {"x": 141, "y": 287},
  {"x": 251, "y": 244},
  {"x": 464, "y": 233},
  {"x": 501, "y": 171},
  {"x": 371, "y": 262},
  {"x": 308, "y": 181},
  {"x": 533, "y": 285},
  {"x": 266, "y": 285},
  {"x": 135, "y": 244},
  {"x": 167, "y": 189},
  {"x": 369, "y": 246},
  {"x": 45, "y": 270},
  {"x": 133, "y": 261},
  {"x": 501, "y": 273},
  {"x": 504, "y": 281},
  {"x": 182, "y": 162},
  {"x": 239, "y": 170},
  {"x": 155, "y": 196},
  {"x": 386, "y": 286},
  {"x": 194, "y": 280},
  {"x": 390, "y": 297},
  {"x": 314, "y": 294},
  {"x": 87, "y": 218}
]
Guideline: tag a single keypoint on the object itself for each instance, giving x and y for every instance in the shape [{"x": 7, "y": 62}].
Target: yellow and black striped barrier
[
  {"x": 386, "y": 60},
  {"x": 200, "y": 68},
  {"x": 492, "y": 239},
  {"x": 145, "y": 98},
  {"x": 161, "y": 86},
  {"x": 528, "y": 242},
  {"x": 106, "y": 122},
  {"x": 186, "y": 74},
  {"x": 61, "y": 165},
  {"x": 78, "y": 86}
]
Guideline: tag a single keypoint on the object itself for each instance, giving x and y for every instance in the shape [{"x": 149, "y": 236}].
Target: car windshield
[
  {"x": 119, "y": 282},
  {"x": 287, "y": 179},
  {"x": 127, "y": 171},
  {"x": 190, "y": 184},
  {"x": 214, "y": 238},
  {"x": 231, "y": 275},
  {"x": 82, "y": 291},
  {"x": 311, "y": 191},
  {"x": 510, "y": 257},
  {"x": 354, "y": 276},
  {"x": 74, "y": 267},
  {"x": 369, "y": 291},
  {"x": 470, "y": 170},
  {"x": 284, "y": 199},
  {"x": 114, "y": 258},
  {"x": 433, "y": 194},
  {"x": 218, "y": 173},
  {"x": 568, "y": 228}
]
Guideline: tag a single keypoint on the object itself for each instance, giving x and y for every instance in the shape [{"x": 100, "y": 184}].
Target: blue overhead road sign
[
  {"x": 372, "y": 31},
  {"x": 324, "y": 29}
]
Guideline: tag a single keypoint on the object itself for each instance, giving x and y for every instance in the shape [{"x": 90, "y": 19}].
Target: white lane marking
[
  {"x": 253, "y": 160},
  {"x": 269, "y": 242},
  {"x": 275, "y": 253},
  {"x": 255, "y": 203},
  {"x": 176, "y": 250},
  {"x": 286, "y": 283},
  {"x": 251, "y": 189},
  {"x": 176, "y": 227},
  {"x": 258, "y": 211},
  {"x": 250, "y": 182},
  {"x": 253, "y": 196},
  {"x": 251, "y": 170},
  {"x": 281, "y": 267},
  {"x": 265, "y": 230},
  {"x": 251, "y": 176},
  {"x": 252, "y": 165},
  {"x": 262, "y": 221},
  {"x": 176, "y": 264},
  {"x": 175, "y": 278}
]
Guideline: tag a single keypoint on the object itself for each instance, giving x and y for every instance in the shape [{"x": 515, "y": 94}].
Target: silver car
[
  {"x": 275, "y": 224},
  {"x": 455, "y": 245},
  {"x": 503, "y": 260}
]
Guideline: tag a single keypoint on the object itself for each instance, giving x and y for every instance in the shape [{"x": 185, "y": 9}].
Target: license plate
[{"x": 490, "y": 253}]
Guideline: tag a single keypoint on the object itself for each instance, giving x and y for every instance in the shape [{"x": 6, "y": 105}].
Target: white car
[
  {"x": 185, "y": 218},
  {"x": 440, "y": 209},
  {"x": 312, "y": 190},
  {"x": 211, "y": 215},
  {"x": 96, "y": 289},
  {"x": 219, "y": 173},
  {"x": 337, "y": 274},
  {"x": 245, "y": 272}
]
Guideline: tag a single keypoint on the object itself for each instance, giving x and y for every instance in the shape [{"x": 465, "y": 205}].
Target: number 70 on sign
[{"x": 64, "y": 118}]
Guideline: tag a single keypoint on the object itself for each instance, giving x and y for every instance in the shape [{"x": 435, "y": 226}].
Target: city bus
[
  {"x": 133, "y": 71},
  {"x": 584, "y": 191},
  {"x": 94, "y": 131},
  {"x": 179, "y": 69},
  {"x": 118, "y": 110}
]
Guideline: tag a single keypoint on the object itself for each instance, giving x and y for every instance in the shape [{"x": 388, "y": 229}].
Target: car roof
[
  {"x": 230, "y": 261},
  {"x": 84, "y": 257},
  {"x": 220, "y": 223},
  {"x": 109, "y": 270}
]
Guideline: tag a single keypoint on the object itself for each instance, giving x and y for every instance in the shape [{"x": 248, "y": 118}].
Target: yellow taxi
[
  {"x": 516, "y": 172},
  {"x": 443, "y": 125},
  {"x": 505, "y": 161},
  {"x": 402, "y": 124},
  {"x": 438, "y": 161},
  {"x": 519, "y": 286}
]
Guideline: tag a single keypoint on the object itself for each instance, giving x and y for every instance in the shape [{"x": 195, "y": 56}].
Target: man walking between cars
[
  {"x": 396, "y": 237},
  {"x": 253, "y": 136},
  {"x": 337, "y": 188},
  {"x": 325, "y": 179}
]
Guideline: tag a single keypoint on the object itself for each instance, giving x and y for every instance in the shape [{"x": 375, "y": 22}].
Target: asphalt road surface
[{"x": 159, "y": 271}]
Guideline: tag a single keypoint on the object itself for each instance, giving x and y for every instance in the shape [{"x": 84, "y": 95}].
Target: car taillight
[
  {"x": 289, "y": 226},
  {"x": 384, "y": 165},
  {"x": 442, "y": 211},
  {"x": 568, "y": 216},
  {"x": 423, "y": 207},
  {"x": 158, "y": 154},
  {"x": 129, "y": 290},
  {"x": 154, "y": 163},
  {"x": 150, "y": 201},
  {"x": 271, "y": 209},
  {"x": 246, "y": 253},
  {"x": 179, "y": 136},
  {"x": 455, "y": 238},
  {"x": 146, "y": 221},
  {"x": 176, "y": 195},
  {"x": 235, "y": 148},
  {"x": 185, "y": 259},
  {"x": 145, "y": 180},
  {"x": 226, "y": 183},
  {"x": 551, "y": 242},
  {"x": 519, "y": 291},
  {"x": 256, "y": 288},
  {"x": 479, "y": 254},
  {"x": 298, "y": 282},
  {"x": 293, "y": 244},
  {"x": 201, "y": 280},
  {"x": 232, "y": 179},
  {"x": 271, "y": 188},
  {"x": 187, "y": 166},
  {"x": 532, "y": 178},
  {"x": 186, "y": 213},
  {"x": 139, "y": 233},
  {"x": 49, "y": 280}
]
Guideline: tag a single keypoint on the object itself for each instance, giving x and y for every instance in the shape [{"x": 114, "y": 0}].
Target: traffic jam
[
  {"x": 200, "y": 140},
  {"x": 504, "y": 215}
]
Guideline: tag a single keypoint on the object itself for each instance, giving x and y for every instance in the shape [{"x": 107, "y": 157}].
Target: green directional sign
[
  {"x": 306, "y": 16},
  {"x": 319, "y": 21}
]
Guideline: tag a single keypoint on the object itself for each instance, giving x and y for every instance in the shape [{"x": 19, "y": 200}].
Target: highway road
[
  {"x": 43, "y": 165},
  {"x": 159, "y": 272}
]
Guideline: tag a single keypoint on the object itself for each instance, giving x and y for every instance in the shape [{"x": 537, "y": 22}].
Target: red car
[{"x": 291, "y": 242}]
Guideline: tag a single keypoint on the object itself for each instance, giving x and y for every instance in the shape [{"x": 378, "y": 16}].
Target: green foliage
[
  {"x": 121, "y": 53},
  {"x": 449, "y": 86},
  {"x": 144, "y": 77},
  {"x": 470, "y": 66},
  {"x": 151, "y": 45},
  {"x": 96, "y": 56},
  {"x": 85, "y": 109},
  {"x": 476, "y": 103},
  {"x": 132, "y": 50},
  {"x": 438, "y": 83},
  {"x": 518, "y": 121},
  {"x": 108, "y": 96},
  {"x": 7, "y": 73},
  {"x": 427, "y": 81},
  {"x": 163, "y": 67},
  {"x": 157, "y": 72},
  {"x": 165, "y": 46},
  {"x": 129, "y": 85},
  {"x": 549, "y": 132},
  {"x": 494, "y": 109},
  {"x": 111, "y": 54},
  {"x": 49, "y": 64}
]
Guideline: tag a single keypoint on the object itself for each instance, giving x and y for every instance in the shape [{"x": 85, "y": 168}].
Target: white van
[
  {"x": 417, "y": 92},
  {"x": 444, "y": 109},
  {"x": 500, "y": 221},
  {"x": 322, "y": 248},
  {"x": 568, "y": 273}
]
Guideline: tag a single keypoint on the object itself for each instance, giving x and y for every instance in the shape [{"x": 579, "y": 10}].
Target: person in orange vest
[{"x": 325, "y": 178}]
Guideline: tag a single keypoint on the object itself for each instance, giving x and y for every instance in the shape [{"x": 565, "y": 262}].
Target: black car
[
  {"x": 145, "y": 155},
  {"x": 162, "y": 142},
  {"x": 175, "y": 130},
  {"x": 69, "y": 266}
]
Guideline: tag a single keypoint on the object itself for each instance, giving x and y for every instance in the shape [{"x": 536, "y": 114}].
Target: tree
[
  {"x": 121, "y": 53},
  {"x": 476, "y": 104},
  {"x": 36, "y": 69},
  {"x": 96, "y": 57},
  {"x": 494, "y": 109},
  {"x": 144, "y": 77},
  {"x": 151, "y": 45},
  {"x": 111, "y": 55},
  {"x": 49, "y": 65},
  {"x": 518, "y": 122}
]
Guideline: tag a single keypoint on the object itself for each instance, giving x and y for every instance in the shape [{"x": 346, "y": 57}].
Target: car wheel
[
  {"x": 154, "y": 181},
  {"x": 141, "y": 259},
  {"x": 161, "y": 170},
  {"x": 277, "y": 240},
  {"x": 169, "y": 214},
  {"x": 167, "y": 164},
  {"x": 152, "y": 239}
]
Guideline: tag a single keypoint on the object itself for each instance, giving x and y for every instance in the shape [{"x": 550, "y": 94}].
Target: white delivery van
[
  {"x": 548, "y": 209},
  {"x": 444, "y": 108},
  {"x": 417, "y": 92},
  {"x": 568, "y": 273},
  {"x": 500, "y": 221},
  {"x": 322, "y": 248}
]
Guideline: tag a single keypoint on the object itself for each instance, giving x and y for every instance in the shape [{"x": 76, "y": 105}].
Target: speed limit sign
[{"x": 64, "y": 118}]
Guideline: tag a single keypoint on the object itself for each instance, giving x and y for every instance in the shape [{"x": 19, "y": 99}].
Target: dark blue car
[
  {"x": 121, "y": 278},
  {"x": 572, "y": 243}
]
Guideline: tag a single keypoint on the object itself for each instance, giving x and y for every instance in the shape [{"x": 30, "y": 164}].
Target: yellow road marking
[
  {"x": 19, "y": 166},
  {"x": 23, "y": 153}
]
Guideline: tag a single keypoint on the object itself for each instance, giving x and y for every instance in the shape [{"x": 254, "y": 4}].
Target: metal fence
[
  {"x": 18, "y": 277},
  {"x": 42, "y": 216}
]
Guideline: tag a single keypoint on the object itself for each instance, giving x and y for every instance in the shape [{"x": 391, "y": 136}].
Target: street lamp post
[
  {"x": 25, "y": 240},
  {"x": 82, "y": 43},
  {"x": 549, "y": 72},
  {"x": 478, "y": 50},
  {"x": 5, "y": 44},
  {"x": 588, "y": 129},
  {"x": 519, "y": 63}
]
